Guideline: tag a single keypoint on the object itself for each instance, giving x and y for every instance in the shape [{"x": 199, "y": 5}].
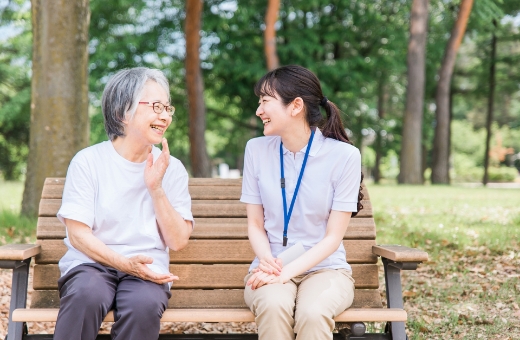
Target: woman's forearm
[
  {"x": 323, "y": 249},
  {"x": 256, "y": 232},
  {"x": 81, "y": 238},
  {"x": 336, "y": 228},
  {"x": 259, "y": 241},
  {"x": 174, "y": 229}
]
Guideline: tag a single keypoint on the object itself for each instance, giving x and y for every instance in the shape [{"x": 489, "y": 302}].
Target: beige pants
[{"x": 306, "y": 305}]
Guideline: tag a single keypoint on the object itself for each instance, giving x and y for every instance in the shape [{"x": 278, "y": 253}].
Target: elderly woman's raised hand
[
  {"x": 137, "y": 266},
  {"x": 154, "y": 171}
]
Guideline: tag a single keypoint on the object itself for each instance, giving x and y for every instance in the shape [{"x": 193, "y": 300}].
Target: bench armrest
[
  {"x": 19, "y": 252},
  {"x": 399, "y": 253}
]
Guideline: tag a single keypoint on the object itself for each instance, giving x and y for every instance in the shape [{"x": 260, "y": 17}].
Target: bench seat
[
  {"x": 221, "y": 315},
  {"x": 219, "y": 244}
]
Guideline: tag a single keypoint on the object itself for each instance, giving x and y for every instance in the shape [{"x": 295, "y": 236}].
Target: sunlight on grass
[
  {"x": 441, "y": 216},
  {"x": 14, "y": 228},
  {"x": 11, "y": 196}
]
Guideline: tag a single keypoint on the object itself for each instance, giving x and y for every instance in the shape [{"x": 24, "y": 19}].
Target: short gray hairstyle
[{"x": 121, "y": 96}]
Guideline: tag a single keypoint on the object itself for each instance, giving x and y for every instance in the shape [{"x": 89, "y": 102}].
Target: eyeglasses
[{"x": 159, "y": 107}]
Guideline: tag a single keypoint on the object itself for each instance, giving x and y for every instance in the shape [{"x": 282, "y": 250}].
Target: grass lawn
[
  {"x": 470, "y": 288},
  {"x": 13, "y": 228}
]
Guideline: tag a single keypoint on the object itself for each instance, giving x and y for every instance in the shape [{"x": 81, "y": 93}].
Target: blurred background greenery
[{"x": 357, "y": 48}]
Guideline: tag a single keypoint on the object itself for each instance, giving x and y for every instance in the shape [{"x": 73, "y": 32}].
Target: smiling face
[
  {"x": 146, "y": 126},
  {"x": 275, "y": 116}
]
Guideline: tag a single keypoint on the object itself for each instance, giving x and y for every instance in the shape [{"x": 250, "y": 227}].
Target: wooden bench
[{"x": 218, "y": 245}]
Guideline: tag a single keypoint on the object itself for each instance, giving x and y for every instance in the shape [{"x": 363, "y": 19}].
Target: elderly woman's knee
[
  {"x": 88, "y": 288},
  {"x": 148, "y": 303},
  {"x": 88, "y": 299}
]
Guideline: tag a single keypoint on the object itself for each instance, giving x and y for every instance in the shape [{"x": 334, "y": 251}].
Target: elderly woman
[{"x": 125, "y": 203}]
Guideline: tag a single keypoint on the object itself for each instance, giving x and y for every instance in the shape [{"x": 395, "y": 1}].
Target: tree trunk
[
  {"x": 440, "y": 161},
  {"x": 410, "y": 159},
  {"x": 381, "y": 115},
  {"x": 271, "y": 16},
  {"x": 200, "y": 164},
  {"x": 450, "y": 103},
  {"x": 491, "y": 100},
  {"x": 59, "y": 98}
]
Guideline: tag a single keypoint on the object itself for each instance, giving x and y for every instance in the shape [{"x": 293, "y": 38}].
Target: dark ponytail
[{"x": 292, "y": 81}]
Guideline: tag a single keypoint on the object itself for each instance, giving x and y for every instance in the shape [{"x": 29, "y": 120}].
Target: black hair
[{"x": 292, "y": 81}]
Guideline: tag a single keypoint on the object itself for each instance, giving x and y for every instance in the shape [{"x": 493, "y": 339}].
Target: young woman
[
  {"x": 125, "y": 202},
  {"x": 301, "y": 184}
]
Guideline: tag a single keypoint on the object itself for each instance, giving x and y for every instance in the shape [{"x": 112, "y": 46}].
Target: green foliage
[
  {"x": 15, "y": 95},
  {"x": 468, "y": 150},
  {"x": 355, "y": 47},
  {"x": 352, "y": 46},
  {"x": 127, "y": 33},
  {"x": 467, "y": 145},
  {"x": 502, "y": 174}
]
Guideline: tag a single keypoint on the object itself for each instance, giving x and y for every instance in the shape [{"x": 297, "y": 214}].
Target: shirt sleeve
[
  {"x": 78, "y": 195},
  {"x": 346, "y": 189},
  {"x": 250, "y": 190},
  {"x": 177, "y": 190}
]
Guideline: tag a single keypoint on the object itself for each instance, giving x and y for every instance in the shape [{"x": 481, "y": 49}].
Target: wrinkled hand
[
  {"x": 137, "y": 266},
  {"x": 261, "y": 278},
  {"x": 154, "y": 171}
]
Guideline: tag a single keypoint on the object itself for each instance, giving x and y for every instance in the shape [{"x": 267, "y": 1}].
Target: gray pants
[{"x": 89, "y": 291}]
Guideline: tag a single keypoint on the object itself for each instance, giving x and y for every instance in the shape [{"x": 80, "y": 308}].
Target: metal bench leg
[
  {"x": 394, "y": 294},
  {"x": 18, "y": 297}
]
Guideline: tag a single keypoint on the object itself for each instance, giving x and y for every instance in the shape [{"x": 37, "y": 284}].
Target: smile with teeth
[
  {"x": 265, "y": 121},
  {"x": 157, "y": 128}
]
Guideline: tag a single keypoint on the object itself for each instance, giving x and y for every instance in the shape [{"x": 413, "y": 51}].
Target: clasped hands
[{"x": 268, "y": 271}]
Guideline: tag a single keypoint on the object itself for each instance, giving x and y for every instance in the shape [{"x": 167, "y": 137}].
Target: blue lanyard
[{"x": 287, "y": 216}]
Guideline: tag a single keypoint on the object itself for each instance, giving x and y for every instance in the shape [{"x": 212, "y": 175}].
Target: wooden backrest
[{"x": 213, "y": 265}]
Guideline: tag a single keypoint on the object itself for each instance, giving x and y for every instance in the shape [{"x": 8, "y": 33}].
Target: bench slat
[
  {"x": 215, "y": 192},
  {"x": 214, "y": 251},
  {"x": 199, "y": 188},
  {"x": 215, "y": 228},
  {"x": 219, "y": 276},
  {"x": 223, "y": 315},
  {"x": 200, "y": 208},
  {"x": 192, "y": 181},
  {"x": 208, "y": 298},
  {"x": 400, "y": 253},
  {"x": 18, "y": 252}
]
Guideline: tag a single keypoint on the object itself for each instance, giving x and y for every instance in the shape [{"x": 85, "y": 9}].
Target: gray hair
[{"x": 121, "y": 96}]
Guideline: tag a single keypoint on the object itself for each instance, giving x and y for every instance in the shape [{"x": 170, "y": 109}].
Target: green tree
[
  {"x": 440, "y": 163},
  {"x": 411, "y": 171},
  {"x": 15, "y": 94},
  {"x": 59, "y": 102}
]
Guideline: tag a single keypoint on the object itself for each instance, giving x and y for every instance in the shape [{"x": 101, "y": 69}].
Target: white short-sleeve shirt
[
  {"x": 107, "y": 193},
  {"x": 330, "y": 182}
]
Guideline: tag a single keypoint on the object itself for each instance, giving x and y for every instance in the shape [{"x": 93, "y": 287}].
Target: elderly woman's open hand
[
  {"x": 154, "y": 171},
  {"x": 137, "y": 266}
]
